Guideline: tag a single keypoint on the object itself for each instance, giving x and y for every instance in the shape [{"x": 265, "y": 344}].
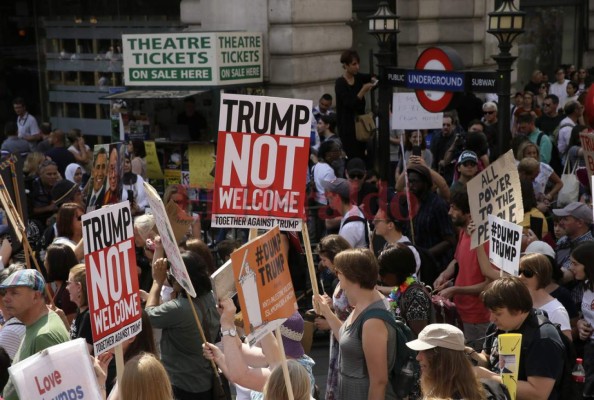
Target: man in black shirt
[{"x": 550, "y": 118}]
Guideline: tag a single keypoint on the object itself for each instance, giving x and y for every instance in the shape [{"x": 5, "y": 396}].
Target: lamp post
[
  {"x": 506, "y": 23},
  {"x": 384, "y": 25}
]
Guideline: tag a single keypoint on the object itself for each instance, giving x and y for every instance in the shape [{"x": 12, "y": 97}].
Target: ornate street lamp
[
  {"x": 506, "y": 24},
  {"x": 383, "y": 25}
]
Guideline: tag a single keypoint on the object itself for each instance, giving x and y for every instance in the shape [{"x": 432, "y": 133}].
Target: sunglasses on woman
[{"x": 527, "y": 273}]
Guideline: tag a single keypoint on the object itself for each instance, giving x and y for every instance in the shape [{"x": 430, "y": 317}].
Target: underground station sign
[{"x": 438, "y": 75}]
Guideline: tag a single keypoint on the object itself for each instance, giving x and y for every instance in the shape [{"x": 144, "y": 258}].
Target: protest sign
[
  {"x": 63, "y": 371},
  {"x": 510, "y": 345},
  {"x": 112, "y": 278},
  {"x": 223, "y": 281},
  {"x": 178, "y": 268},
  {"x": 261, "y": 167},
  {"x": 179, "y": 220},
  {"x": 408, "y": 113},
  {"x": 153, "y": 166},
  {"x": 201, "y": 165},
  {"x": 504, "y": 247},
  {"x": 495, "y": 190},
  {"x": 264, "y": 284},
  {"x": 587, "y": 140}
]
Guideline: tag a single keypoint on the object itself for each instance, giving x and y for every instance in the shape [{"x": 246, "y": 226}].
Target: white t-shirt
[
  {"x": 587, "y": 308},
  {"x": 27, "y": 125},
  {"x": 354, "y": 232},
  {"x": 322, "y": 172},
  {"x": 557, "y": 314}
]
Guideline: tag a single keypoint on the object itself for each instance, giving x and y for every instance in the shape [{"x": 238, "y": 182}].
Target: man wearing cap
[
  {"x": 433, "y": 228},
  {"x": 467, "y": 167},
  {"x": 353, "y": 225},
  {"x": 24, "y": 299},
  {"x": 576, "y": 220},
  {"x": 356, "y": 173},
  {"x": 542, "y": 353},
  {"x": 66, "y": 191}
]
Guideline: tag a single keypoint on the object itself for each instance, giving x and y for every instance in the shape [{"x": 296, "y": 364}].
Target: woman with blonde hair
[
  {"x": 145, "y": 378},
  {"x": 276, "y": 389},
  {"x": 77, "y": 288},
  {"x": 446, "y": 371}
]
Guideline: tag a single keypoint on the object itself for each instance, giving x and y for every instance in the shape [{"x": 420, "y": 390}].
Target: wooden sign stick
[{"x": 284, "y": 366}]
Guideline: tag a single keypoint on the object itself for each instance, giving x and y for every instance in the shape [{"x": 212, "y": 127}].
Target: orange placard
[{"x": 264, "y": 284}]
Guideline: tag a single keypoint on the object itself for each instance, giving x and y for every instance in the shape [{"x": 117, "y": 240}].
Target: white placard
[
  {"x": 63, "y": 371},
  {"x": 407, "y": 113},
  {"x": 504, "y": 248}
]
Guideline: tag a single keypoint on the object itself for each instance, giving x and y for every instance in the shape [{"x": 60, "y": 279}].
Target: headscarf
[{"x": 71, "y": 170}]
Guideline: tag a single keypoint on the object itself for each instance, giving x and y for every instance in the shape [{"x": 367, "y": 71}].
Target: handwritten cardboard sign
[
  {"x": 495, "y": 190},
  {"x": 264, "y": 284},
  {"x": 504, "y": 248},
  {"x": 178, "y": 268},
  {"x": 408, "y": 113}
]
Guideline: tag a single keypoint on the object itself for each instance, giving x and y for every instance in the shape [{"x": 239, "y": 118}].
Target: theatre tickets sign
[
  {"x": 261, "y": 164},
  {"x": 192, "y": 59}
]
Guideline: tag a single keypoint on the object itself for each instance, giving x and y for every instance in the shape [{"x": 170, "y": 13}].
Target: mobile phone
[{"x": 416, "y": 151}]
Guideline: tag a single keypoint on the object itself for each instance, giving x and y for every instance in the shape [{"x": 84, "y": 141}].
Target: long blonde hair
[
  {"x": 450, "y": 373},
  {"x": 276, "y": 389},
  {"x": 145, "y": 378}
]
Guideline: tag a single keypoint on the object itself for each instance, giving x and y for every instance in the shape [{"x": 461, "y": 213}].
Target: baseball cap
[
  {"x": 540, "y": 247},
  {"x": 467, "y": 155},
  {"x": 438, "y": 335},
  {"x": 577, "y": 210},
  {"x": 339, "y": 186},
  {"x": 30, "y": 278},
  {"x": 355, "y": 166}
]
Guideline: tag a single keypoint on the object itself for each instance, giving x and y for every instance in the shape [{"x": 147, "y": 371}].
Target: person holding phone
[{"x": 415, "y": 147}]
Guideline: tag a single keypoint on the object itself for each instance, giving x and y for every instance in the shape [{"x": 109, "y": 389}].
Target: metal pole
[
  {"x": 385, "y": 98},
  {"x": 504, "y": 62}
]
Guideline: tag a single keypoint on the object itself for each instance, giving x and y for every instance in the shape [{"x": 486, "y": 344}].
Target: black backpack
[
  {"x": 555, "y": 161},
  {"x": 404, "y": 377},
  {"x": 566, "y": 387}
]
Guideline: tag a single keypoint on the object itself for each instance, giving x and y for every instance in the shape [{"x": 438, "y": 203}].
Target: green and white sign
[{"x": 192, "y": 59}]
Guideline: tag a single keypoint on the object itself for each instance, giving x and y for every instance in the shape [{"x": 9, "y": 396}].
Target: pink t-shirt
[{"x": 470, "y": 307}]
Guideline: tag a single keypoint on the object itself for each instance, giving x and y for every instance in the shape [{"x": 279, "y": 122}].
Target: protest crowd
[{"x": 406, "y": 285}]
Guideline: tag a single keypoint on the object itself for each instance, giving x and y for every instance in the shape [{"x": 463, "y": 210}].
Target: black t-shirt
[
  {"x": 81, "y": 326},
  {"x": 542, "y": 352}
]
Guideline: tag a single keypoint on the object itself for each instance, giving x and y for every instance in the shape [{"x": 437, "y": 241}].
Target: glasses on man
[
  {"x": 488, "y": 112},
  {"x": 356, "y": 176}
]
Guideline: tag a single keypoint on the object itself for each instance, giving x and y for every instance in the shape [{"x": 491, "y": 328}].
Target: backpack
[
  {"x": 556, "y": 163},
  {"x": 356, "y": 218},
  {"x": 566, "y": 387},
  {"x": 495, "y": 390},
  {"x": 430, "y": 269},
  {"x": 404, "y": 377},
  {"x": 443, "y": 311}
]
